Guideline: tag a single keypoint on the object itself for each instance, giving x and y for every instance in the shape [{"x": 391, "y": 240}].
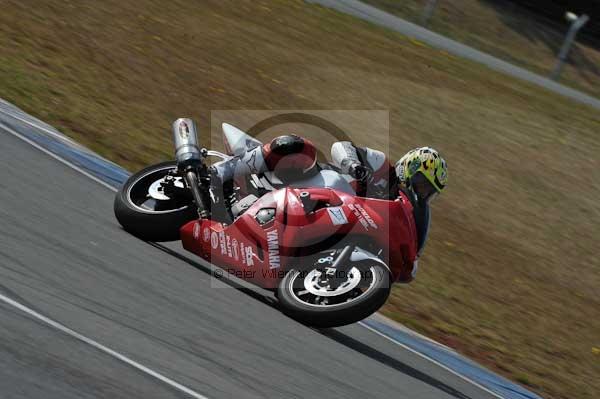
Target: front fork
[
  {"x": 191, "y": 179},
  {"x": 337, "y": 272}
]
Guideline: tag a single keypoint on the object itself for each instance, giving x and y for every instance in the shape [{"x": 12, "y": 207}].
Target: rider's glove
[{"x": 360, "y": 172}]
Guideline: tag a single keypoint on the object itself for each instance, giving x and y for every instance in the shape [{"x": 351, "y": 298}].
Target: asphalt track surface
[
  {"x": 63, "y": 256},
  {"x": 369, "y": 13}
]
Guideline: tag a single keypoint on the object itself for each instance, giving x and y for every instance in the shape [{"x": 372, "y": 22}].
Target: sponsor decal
[
  {"x": 273, "y": 247},
  {"x": 222, "y": 242},
  {"x": 228, "y": 243},
  {"x": 367, "y": 216},
  {"x": 235, "y": 249},
  {"x": 249, "y": 256},
  {"x": 214, "y": 240},
  {"x": 363, "y": 216},
  {"x": 337, "y": 215},
  {"x": 231, "y": 248},
  {"x": 359, "y": 217},
  {"x": 243, "y": 252},
  {"x": 196, "y": 231}
]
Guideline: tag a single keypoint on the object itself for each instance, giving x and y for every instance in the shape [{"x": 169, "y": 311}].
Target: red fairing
[
  {"x": 262, "y": 254},
  {"x": 408, "y": 253}
]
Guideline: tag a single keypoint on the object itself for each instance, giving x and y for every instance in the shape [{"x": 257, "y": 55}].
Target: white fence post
[{"x": 576, "y": 24}]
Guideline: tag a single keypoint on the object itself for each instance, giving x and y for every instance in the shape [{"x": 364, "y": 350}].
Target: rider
[{"x": 420, "y": 174}]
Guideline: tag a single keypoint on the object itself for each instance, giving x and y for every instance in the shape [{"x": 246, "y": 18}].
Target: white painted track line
[
  {"x": 58, "y": 158},
  {"x": 44, "y": 129},
  {"x": 102, "y": 348},
  {"x": 67, "y": 330}
]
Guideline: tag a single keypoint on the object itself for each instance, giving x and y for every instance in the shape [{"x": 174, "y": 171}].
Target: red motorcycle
[{"x": 329, "y": 255}]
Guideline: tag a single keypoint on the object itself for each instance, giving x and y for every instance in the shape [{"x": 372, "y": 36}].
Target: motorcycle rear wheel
[
  {"x": 148, "y": 214},
  {"x": 304, "y": 298}
]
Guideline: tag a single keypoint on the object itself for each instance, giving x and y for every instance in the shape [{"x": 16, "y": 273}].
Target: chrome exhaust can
[{"x": 187, "y": 151}]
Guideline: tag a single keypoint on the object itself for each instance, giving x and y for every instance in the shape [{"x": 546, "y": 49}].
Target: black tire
[
  {"x": 145, "y": 223},
  {"x": 338, "y": 314}
]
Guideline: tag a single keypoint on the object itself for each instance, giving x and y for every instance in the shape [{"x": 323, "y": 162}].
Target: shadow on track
[
  {"x": 330, "y": 333},
  {"x": 389, "y": 361},
  {"x": 223, "y": 278}
]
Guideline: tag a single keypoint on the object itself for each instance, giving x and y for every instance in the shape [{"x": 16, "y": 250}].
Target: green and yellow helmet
[{"x": 423, "y": 162}]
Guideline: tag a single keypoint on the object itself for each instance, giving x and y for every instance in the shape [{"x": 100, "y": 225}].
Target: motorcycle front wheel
[
  {"x": 310, "y": 297},
  {"x": 146, "y": 211}
]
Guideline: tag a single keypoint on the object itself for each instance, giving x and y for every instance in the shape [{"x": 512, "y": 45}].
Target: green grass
[
  {"x": 509, "y": 32},
  {"x": 510, "y": 276}
]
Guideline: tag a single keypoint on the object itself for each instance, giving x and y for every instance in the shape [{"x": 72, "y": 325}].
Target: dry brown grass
[{"x": 511, "y": 274}]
